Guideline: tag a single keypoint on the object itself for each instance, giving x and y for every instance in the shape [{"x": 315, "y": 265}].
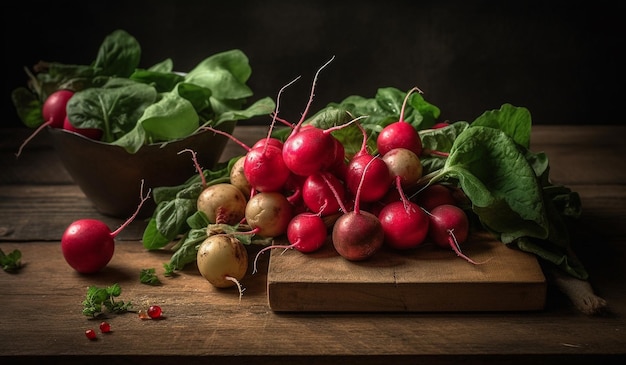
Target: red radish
[
  {"x": 88, "y": 244},
  {"x": 449, "y": 228},
  {"x": 433, "y": 196},
  {"x": 357, "y": 235},
  {"x": 91, "y": 133},
  {"x": 268, "y": 214},
  {"x": 440, "y": 125},
  {"x": 53, "y": 112},
  {"x": 339, "y": 166},
  {"x": 400, "y": 133},
  {"x": 271, "y": 140},
  {"x": 306, "y": 233},
  {"x": 405, "y": 224},
  {"x": 310, "y": 150},
  {"x": 318, "y": 196},
  {"x": 223, "y": 261},
  {"x": 264, "y": 167},
  {"x": 375, "y": 182}
]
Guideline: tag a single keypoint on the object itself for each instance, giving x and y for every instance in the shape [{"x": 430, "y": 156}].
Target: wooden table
[{"x": 40, "y": 307}]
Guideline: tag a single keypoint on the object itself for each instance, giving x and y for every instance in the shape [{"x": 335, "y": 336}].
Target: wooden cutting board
[{"x": 427, "y": 279}]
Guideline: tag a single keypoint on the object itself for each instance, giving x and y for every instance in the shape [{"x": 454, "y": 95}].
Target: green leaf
[
  {"x": 12, "y": 261},
  {"x": 514, "y": 121},
  {"x": 119, "y": 54},
  {"x": 149, "y": 277},
  {"x": 113, "y": 108},
  {"x": 224, "y": 73},
  {"x": 501, "y": 184}
]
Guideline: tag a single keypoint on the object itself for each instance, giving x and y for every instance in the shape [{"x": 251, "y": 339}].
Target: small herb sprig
[
  {"x": 99, "y": 300},
  {"x": 149, "y": 277},
  {"x": 12, "y": 262}
]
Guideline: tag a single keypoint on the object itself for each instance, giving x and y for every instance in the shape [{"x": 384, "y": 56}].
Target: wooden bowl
[{"x": 111, "y": 177}]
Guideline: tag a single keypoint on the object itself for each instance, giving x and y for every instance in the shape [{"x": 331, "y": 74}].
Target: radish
[
  {"x": 400, "y": 133},
  {"x": 268, "y": 214},
  {"x": 404, "y": 166},
  {"x": 375, "y": 182},
  {"x": 310, "y": 150},
  {"x": 434, "y": 195},
  {"x": 318, "y": 196},
  {"x": 53, "y": 112},
  {"x": 91, "y": 133},
  {"x": 223, "y": 261},
  {"x": 306, "y": 233},
  {"x": 357, "y": 235},
  {"x": 449, "y": 228},
  {"x": 405, "y": 223},
  {"x": 88, "y": 244},
  {"x": 222, "y": 203},
  {"x": 263, "y": 167},
  {"x": 238, "y": 178}
]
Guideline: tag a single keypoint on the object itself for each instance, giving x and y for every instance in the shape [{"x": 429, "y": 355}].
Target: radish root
[{"x": 239, "y": 287}]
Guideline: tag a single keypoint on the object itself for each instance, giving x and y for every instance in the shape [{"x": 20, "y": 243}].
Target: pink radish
[
  {"x": 306, "y": 233},
  {"x": 310, "y": 150},
  {"x": 400, "y": 134},
  {"x": 318, "y": 196},
  {"x": 53, "y": 112},
  {"x": 405, "y": 223},
  {"x": 88, "y": 244},
  {"x": 263, "y": 167},
  {"x": 375, "y": 182},
  {"x": 91, "y": 133},
  {"x": 449, "y": 228},
  {"x": 357, "y": 235},
  {"x": 433, "y": 196}
]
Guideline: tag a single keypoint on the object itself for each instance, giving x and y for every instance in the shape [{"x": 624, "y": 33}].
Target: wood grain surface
[{"x": 40, "y": 307}]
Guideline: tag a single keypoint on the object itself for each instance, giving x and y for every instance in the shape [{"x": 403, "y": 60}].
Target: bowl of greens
[{"x": 117, "y": 127}]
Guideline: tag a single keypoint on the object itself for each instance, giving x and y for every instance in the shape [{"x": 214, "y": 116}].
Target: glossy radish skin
[
  {"x": 405, "y": 226},
  {"x": 446, "y": 219},
  {"x": 54, "y": 109},
  {"x": 53, "y": 112},
  {"x": 91, "y": 133},
  {"x": 376, "y": 181},
  {"x": 434, "y": 196},
  {"x": 265, "y": 169},
  {"x": 88, "y": 245},
  {"x": 309, "y": 151},
  {"x": 307, "y": 232},
  {"x": 318, "y": 196},
  {"x": 357, "y": 235},
  {"x": 400, "y": 134},
  {"x": 449, "y": 228}
]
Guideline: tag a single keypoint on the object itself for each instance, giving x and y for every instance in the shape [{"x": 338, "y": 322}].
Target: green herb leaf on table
[
  {"x": 11, "y": 262},
  {"x": 149, "y": 277},
  {"x": 100, "y": 300}
]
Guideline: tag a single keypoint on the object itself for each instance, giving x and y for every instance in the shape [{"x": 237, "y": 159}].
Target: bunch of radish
[{"x": 305, "y": 189}]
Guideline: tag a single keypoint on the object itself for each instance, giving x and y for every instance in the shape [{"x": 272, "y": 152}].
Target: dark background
[{"x": 563, "y": 62}]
